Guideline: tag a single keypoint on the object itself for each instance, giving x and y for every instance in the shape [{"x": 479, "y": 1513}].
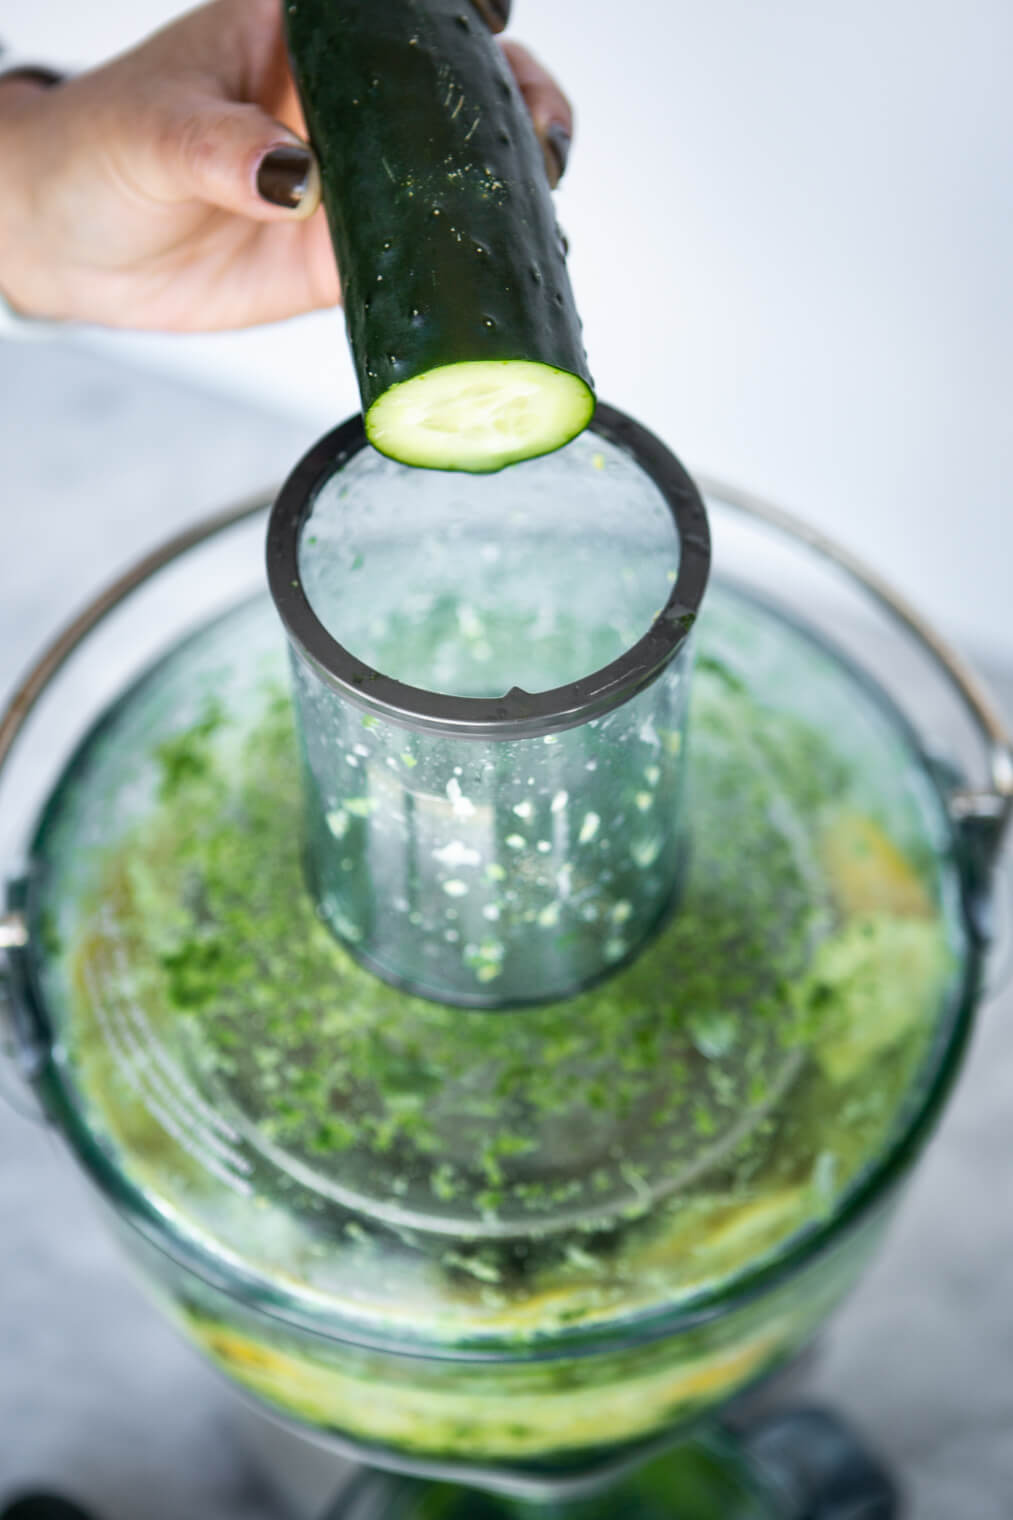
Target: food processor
[{"x": 499, "y": 974}]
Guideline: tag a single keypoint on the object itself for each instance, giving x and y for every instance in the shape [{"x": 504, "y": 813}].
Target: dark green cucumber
[{"x": 460, "y": 314}]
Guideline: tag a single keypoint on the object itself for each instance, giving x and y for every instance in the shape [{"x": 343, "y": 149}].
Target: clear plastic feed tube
[{"x": 491, "y": 678}]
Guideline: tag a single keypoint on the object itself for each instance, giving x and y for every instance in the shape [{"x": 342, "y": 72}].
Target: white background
[{"x": 792, "y": 240}]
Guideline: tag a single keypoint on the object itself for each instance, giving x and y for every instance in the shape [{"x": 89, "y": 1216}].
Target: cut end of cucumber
[{"x": 479, "y": 415}]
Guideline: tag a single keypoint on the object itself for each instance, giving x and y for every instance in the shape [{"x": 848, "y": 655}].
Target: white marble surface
[{"x": 97, "y": 1396}]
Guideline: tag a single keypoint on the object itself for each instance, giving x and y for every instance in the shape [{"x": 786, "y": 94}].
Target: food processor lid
[
  {"x": 516, "y": 714},
  {"x": 272, "y": 1110},
  {"x": 237, "y": 1057}
]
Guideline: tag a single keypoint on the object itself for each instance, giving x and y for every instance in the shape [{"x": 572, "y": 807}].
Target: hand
[{"x": 172, "y": 188}]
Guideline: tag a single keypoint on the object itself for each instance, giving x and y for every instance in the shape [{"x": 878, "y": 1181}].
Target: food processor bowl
[{"x": 518, "y": 1250}]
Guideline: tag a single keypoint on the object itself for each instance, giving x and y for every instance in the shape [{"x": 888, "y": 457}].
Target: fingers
[
  {"x": 236, "y": 157},
  {"x": 495, "y": 13},
  {"x": 550, "y": 110},
  {"x": 549, "y": 107}
]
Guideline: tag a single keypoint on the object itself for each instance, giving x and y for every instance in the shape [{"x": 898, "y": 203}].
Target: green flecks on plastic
[{"x": 755, "y": 996}]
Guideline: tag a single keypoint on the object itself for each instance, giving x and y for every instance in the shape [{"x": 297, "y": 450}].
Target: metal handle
[
  {"x": 1000, "y": 966},
  {"x": 995, "y": 802},
  {"x": 13, "y": 933},
  {"x": 981, "y": 815},
  {"x": 35, "y": 680},
  {"x": 991, "y": 808},
  {"x": 13, "y": 1088}
]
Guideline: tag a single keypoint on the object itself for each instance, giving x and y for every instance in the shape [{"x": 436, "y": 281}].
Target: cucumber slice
[
  {"x": 479, "y": 415},
  {"x": 461, "y": 318}
]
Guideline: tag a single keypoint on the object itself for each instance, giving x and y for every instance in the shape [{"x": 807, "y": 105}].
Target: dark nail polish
[
  {"x": 495, "y": 13},
  {"x": 556, "y": 148},
  {"x": 35, "y": 73},
  {"x": 284, "y": 175}
]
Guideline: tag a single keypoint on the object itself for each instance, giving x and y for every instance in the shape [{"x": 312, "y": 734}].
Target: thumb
[{"x": 236, "y": 157}]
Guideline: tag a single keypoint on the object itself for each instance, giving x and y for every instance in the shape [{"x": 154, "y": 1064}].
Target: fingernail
[
  {"x": 556, "y": 148},
  {"x": 495, "y": 13},
  {"x": 284, "y": 175},
  {"x": 35, "y": 73}
]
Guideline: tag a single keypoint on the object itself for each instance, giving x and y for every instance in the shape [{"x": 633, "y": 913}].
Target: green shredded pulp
[{"x": 465, "y": 1176}]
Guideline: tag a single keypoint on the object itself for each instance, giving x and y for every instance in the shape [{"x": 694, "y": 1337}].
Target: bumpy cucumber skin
[{"x": 435, "y": 191}]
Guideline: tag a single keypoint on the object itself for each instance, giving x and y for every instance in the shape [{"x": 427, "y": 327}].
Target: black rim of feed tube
[{"x": 518, "y": 714}]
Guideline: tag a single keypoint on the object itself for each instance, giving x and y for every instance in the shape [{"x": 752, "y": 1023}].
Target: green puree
[
  {"x": 523, "y": 1170},
  {"x": 461, "y": 1178}
]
